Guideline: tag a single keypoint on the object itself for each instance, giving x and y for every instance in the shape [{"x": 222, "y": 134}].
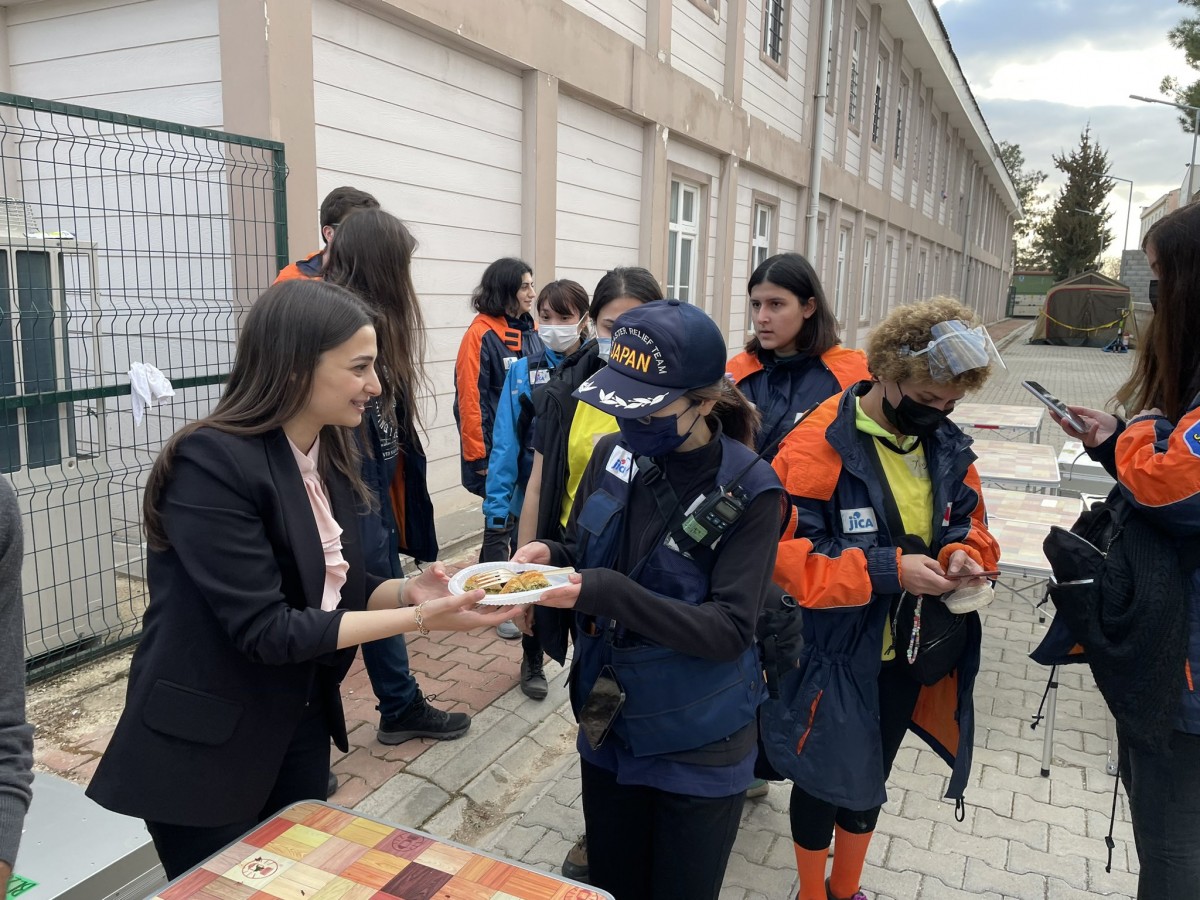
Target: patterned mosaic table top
[
  {"x": 995, "y": 415},
  {"x": 1044, "y": 508},
  {"x": 316, "y": 851},
  {"x": 1021, "y": 546},
  {"x": 1002, "y": 462}
]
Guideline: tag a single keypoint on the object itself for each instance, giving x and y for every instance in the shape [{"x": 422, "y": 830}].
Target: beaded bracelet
[{"x": 419, "y": 618}]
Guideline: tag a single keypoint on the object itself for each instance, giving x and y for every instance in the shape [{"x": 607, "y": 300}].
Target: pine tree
[
  {"x": 1186, "y": 37},
  {"x": 1076, "y": 232},
  {"x": 1026, "y": 254}
]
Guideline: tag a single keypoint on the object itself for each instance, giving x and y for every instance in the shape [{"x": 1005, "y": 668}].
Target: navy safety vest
[{"x": 674, "y": 702}]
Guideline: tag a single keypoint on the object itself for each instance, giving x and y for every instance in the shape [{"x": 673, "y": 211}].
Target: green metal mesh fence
[{"x": 122, "y": 241}]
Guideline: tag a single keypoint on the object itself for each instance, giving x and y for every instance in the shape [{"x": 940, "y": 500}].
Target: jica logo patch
[{"x": 859, "y": 521}]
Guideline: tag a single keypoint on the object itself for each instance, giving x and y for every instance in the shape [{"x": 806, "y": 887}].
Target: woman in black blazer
[{"x": 233, "y": 691}]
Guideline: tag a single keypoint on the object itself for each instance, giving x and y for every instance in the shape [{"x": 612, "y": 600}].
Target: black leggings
[
  {"x": 813, "y": 819},
  {"x": 303, "y": 775}
]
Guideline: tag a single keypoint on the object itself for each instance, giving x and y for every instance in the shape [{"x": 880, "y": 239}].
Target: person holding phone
[
  {"x": 887, "y": 514},
  {"x": 1155, "y": 458},
  {"x": 665, "y": 679},
  {"x": 258, "y": 591}
]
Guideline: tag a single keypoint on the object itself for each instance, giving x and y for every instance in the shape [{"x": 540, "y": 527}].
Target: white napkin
[{"x": 147, "y": 384}]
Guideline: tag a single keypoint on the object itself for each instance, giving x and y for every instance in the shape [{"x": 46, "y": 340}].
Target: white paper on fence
[{"x": 147, "y": 384}]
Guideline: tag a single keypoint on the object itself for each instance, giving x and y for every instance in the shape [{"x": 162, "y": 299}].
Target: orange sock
[
  {"x": 849, "y": 856},
  {"x": 811, "y": 866}
]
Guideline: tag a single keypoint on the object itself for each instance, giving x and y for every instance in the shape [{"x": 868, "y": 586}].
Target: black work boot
[
  {"x": 533, "y": 677},
  {"x": 421, "y": 720}
]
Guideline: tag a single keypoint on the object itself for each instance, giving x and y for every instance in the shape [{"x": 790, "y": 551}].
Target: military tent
[{"x": 1085, "y": 311}]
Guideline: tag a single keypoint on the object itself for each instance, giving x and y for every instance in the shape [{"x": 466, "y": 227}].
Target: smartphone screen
[{"x": 1053, "y": 403}]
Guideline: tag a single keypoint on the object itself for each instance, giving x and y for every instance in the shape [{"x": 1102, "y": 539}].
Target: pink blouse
[{"x": 327, "y": 526}]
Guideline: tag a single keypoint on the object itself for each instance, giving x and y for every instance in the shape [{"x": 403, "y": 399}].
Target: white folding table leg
[{"x": 1048, "y": 738}]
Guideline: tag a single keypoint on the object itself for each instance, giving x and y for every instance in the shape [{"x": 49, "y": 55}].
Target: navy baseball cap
[{"x": 660, "y": 351}]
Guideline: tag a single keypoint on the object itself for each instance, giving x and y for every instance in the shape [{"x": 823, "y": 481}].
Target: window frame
[
  {"x": 879, "y": 110},
  {"x": 780, "y": 66},
  {"x": 831, "y": 72},
  {"x": 854, "y": 84},
  {"x": 700, "y": 182},
  {"x": 711, "y": 8},
  {"x": 760, "y": 200},
  {"x": 845, "y": 242},
  {"x": 900, "y": 150},
  {"x": 865, "y": 304}
]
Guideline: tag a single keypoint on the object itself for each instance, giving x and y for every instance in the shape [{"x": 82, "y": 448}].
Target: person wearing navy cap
[{"x": 672, "y": 534}]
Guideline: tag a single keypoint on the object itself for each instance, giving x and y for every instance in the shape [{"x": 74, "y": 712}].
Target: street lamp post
[
  {"x": 1128, "y": 216},
  {"x": 1195, "y": 110}
]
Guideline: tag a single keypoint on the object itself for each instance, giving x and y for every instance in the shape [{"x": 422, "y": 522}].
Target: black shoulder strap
[{"x": 891, "y": 512}]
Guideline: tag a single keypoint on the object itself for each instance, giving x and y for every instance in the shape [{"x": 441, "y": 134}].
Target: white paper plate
[{"x": 459, "y": 580}]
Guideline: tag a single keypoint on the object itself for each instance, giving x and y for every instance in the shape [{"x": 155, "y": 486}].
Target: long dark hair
[
  {"x": 739, "y": 419},
  {"x": 1166, "y": 373},
  {"x": 372, "y": 256},
  {"x": 624, "y": 281},
  {"x": 791, "y": 271},
  {"x": 497, "y": 291},
  {"x": 282, "y": 339}
]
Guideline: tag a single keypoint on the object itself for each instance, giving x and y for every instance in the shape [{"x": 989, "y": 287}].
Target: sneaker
[
  {"x": 508, "y": 631},
  {"x": 575, "y": 866},
  {"x": 533, "y": 677},
  {"x": 858, "y": 895},
  {"x": 758, "y": 788},
  {"x": 421, "y": 720}
]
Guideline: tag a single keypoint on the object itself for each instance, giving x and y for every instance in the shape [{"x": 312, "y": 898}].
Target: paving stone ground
[{"x": 511, "y": 785}]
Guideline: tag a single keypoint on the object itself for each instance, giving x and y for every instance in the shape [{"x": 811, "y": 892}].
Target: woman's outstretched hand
[
  {"x": 1100, "y": 425},
  {"x": 460, "y": 612}
]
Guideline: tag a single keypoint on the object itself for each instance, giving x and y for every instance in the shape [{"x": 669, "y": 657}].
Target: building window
[
  {"x": 683, "y": 242},
  {"x": 855, "y": 62},
  {"x": 889, "y": 276},
  {"x": 864, "y": 305},
  {"x": 760, "y": 238},
  {"x": 835, "y": 35},
  {"x": 774, "y": 31},
  {"x": 932, "y": 152},
  {"x": 922, "y": 264},
  {"x": 877, "y": 114},
  {"x": 901, "y": 108},
  {"x": 840, "y": 280}
]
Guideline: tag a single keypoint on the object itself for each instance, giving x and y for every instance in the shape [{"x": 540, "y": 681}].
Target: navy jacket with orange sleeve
[
  {"x": 309, "y": 267},
  {"x": 487, "y": 350},
  {"x": 1157, "y": 466},
  {"x": 838, "y": 559},
  {"x": 782, "y": 389}
]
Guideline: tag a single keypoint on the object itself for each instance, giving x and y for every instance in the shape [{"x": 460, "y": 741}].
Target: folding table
[
  {"x": 1026, "y": 466},
  {"x": 1008, "y": 422}
]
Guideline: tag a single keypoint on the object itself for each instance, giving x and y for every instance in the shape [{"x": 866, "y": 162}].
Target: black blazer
[{"x": 234, "y": 641}]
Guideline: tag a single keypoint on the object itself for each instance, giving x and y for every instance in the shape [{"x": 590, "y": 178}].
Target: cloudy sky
[{"x": 1043, "y": 69}]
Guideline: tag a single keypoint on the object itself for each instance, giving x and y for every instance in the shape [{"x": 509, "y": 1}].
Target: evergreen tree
[
  {"x": 1026, "y": 254},
  {"x": 1186, "y": 37},
  {"x": 1076, "y": 232}
]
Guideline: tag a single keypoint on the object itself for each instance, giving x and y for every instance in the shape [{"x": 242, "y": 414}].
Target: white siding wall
[
  {"x": 694, "y": 158},
  {"x": 626, "y": 17},
  {"x": 778, "y": 101},
  {"x": 599, "y": 193},
  {"x": 787, "y": 215},
  {"x": 155, "y": 58},
  {"x": 435, "y": 134},
  {"x": 698, "y": 44}
]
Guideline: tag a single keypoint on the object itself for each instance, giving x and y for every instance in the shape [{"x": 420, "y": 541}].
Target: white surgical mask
[
  {"x": 559, "y": 338},
  {"x": 605, "y": 346}
]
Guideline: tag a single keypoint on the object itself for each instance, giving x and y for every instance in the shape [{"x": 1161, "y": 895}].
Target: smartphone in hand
[
  {"x": 1055, "y": 405},
  {"x": 990, "y": 573}
]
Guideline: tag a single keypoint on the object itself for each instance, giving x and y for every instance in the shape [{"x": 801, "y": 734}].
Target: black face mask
[{"x": 913, "y": 418}]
